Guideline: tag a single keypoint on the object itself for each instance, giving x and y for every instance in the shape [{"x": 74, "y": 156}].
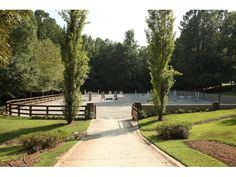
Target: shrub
[
  {"x": 197, "y": 109},
  {"x": 38, "y": 141},
  {"x": 189, "y": 111},
  {"x": 174, "y": 130},
  {"x": 142, "y": 114},
  {"x": 150, "y": 114},
  {"x": 181, "y": 110}
]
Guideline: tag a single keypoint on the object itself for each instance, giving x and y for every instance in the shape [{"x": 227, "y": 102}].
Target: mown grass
[
  {"x": 11, "y": 128},
  {"x": 151, "y": 123},
  {"x": 221, "y": 130},
  {"x": 50, "y": 158},
  {"x": 8, "y": 153}
]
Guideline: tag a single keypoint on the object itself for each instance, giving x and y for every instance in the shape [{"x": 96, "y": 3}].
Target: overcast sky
[{"x": 113, "y": 23}]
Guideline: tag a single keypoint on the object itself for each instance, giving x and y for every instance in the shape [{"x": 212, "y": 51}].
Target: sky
[{"x": 113, "y": 23}]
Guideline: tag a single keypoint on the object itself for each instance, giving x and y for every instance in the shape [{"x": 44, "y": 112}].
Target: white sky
[{"x": 113, "y": 23}]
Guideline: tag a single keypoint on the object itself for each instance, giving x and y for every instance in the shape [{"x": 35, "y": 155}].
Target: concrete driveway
[{"x": 112, "y": 141}]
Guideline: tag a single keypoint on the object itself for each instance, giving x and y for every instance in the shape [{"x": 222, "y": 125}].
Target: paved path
[{"x": 112, "y": 141}]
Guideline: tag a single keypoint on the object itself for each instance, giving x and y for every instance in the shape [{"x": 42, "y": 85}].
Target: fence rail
[
  {"x": 41, "y": 110},
  {"x": 28, "y": 107}
]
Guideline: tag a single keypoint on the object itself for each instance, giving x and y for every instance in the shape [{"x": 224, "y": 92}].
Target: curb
[
  {"x": 69, "y": 152},
  {"x": 162, "y": 153}
]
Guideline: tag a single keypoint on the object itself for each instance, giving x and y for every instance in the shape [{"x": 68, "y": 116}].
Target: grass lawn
[
  {"x": 11, "y": 128},
  {"x": 50, "y": 158},
  {"x": 222, "y": 131},
  {"x": 151, "y": 123}
]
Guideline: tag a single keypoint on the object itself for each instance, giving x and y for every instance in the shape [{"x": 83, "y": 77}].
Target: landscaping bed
[
  {"x": 217, "y": 126},
  {"x": 222, "y": 152}
]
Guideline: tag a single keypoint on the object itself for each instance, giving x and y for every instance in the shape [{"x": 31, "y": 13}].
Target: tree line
[
  {"x": 32, "y": 43},
  {"x": 205, "y": 52},
  {"x": 33, "y": 61}
]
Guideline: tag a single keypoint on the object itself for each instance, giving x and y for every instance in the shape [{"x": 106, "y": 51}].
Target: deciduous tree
[
  {"x": 160, "y": 37},
  {"x": 75, "y": 61}
]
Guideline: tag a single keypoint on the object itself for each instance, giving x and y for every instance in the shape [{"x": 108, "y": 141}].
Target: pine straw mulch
[{"x": 219, "y": 151}]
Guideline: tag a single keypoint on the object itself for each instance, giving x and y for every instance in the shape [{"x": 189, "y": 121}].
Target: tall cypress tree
[
  {"x": 75, "y": 61},
  {"x": 160, "y": 37}
]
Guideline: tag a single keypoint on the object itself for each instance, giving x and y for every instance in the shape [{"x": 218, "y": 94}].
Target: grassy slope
[
  {"x": 223, "y": 131},
  {"x": 50, "y": 158},
  {"x": 13, "y": 127},
  {"x": 151, "y": 123}
]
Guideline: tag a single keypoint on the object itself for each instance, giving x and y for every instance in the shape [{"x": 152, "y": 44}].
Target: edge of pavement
[
  {"x": 158, "y": 150},
  {"x": 64, "y": 156}
]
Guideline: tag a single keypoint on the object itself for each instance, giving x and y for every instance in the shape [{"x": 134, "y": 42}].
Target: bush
[
  {"x": 181, "y": 111},
  {"x": 142, "y": 114},
  {"x": 174, "y": 130},
  {"x": 38, "y": 141},
  {"x": 150, "y": 114}
]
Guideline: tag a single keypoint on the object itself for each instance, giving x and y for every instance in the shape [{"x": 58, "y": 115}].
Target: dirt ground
[
  {"x": 27, "y": 160},
  {"x": 222, "y": 152}
]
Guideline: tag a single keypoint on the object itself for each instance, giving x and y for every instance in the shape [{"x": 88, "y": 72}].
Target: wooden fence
[
  {"x": 135, "y": 111},
  {"x": 29, "y": 107},
  {"x": 34, "y": 100}
]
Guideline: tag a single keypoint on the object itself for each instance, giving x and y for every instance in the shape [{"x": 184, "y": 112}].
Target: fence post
[
  {"x": 47, "y": 110},
  {"x": 6, "y": 108},
  {"x": 139, "y": 108},
  {"x": 18, "y": 109},
  {"x": 91, "y": 110},
  {"x": 10, "y": 108},
  {"x": 30, "y": 110}
]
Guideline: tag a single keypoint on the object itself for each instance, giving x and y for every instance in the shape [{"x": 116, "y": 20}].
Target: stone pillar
[{"x": 91, "y": 111}]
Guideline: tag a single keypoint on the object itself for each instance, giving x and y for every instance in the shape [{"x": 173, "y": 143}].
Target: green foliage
[
  {"x": 109, "y": 60},
  {"x": 48, "y": 28},
  {"x": 38, "y": 141},
  {"x": 198, "y": 51},
  {"x": 48, "y": 66},
  {"x": 222, "y": 131},
  {"x": 9, "y": 19},
  {"x": 174, "y": 130},
  {"x": 18, "y": 75},
  {"x": 35, "y": 65},
  {"x": 181, "y": 110},
  {"x": 11, "y": 128},
  {"x": 75, "y": 61},
  {"x": 50, "y": 157},
  {"x": 142, "y": 114},
  {"x": 151, "y": 122},
  {"x": 160, "y": 38}
]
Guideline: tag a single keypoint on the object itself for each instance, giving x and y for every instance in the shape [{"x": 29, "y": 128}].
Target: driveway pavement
[{"x": 112, "y": 141}]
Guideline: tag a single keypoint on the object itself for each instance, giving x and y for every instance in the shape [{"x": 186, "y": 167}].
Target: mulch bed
[
  {"x": 27, "y": 160},
  {"x": 222, "y": 152}
]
